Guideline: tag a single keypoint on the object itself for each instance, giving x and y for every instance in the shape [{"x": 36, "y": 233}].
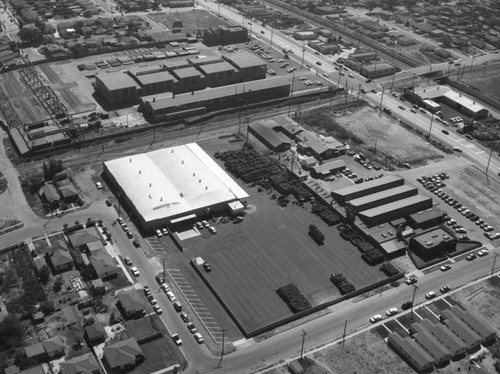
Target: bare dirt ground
[
  {"x": 192, "y": 21},
  {"x": 486, "y": 78},
  {"x": 379, "y": 137}
]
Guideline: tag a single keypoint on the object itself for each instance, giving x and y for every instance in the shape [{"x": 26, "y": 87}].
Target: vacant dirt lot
[
  {"x": 191, "y": 21},
  {"x": 485, "y": 78},
  {"x": 378, "y": 136}
]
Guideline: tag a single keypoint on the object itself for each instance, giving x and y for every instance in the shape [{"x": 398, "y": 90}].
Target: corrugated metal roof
[{"x": 394, "y": 206}]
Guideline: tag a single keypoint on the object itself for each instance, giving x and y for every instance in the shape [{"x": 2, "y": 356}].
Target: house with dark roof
[
  {"x": 131, "y": 304},
  {"x": 104, "y": 265},
  {"x": 55, "y": 347},
  {"x": 68, "y": 194},
  {"x": 59, "y": 257},
  {"x": 98, "y": 287},
  {"x": 411, "y": 352},
  {"x": 79, "y": 239},
  {"x": 449, "y": 340},
  {"x": 475, "y": 323},
  {"x": 95, "y": 334},
  {"x": 34, "y": 370},
  {"x": 84, "y": 364},
  {"x": 142, "y": 330},
  {"x": 123, "y": 355},
  {"x": 436, "y": 350},
  {"x": 471, "y": 340},
  {"x": 36, "y": 352},
  {"x": 49, "y": 195}
]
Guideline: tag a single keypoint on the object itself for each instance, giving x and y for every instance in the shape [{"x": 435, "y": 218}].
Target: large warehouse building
[
  {"x": 173, "y": 185},
  {"x": 359, "y": 190}
]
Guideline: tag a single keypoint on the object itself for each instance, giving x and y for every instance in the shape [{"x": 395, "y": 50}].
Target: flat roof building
[
  {"x": 426, "y": 218},
  {"x": 328, "y": 168},
  {"x": 117, "y": 88},
  {"x": 321, "y": 148},
  {"x": 172, "y": 183},
  {"x": 378, "y": 70},
  {"x": 428, "y": 243},
  {"x": 464, "y": 104},
  {"x": 383, "y": 197},
  {"x": 396, "y": 209},
  {"x": 343, "y": 195}
]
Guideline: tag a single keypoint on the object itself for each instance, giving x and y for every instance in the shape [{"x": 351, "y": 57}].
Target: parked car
[
  {"x": 445, "y": 267},
  {"x": 470, "y": 257},
  {"x": 205, "y": 223},
  {"x": 159, "y": 279},
  {"x": 199, "y": 338},
  {"x": 430, "y": 295},
  {"x": 164, "y": 231},
  {"x": 171, "y": 296},
  {"x": 184, "y": 317},
  {"x": 445, "y": 289},
  {"x": 376, "y": 318},
  {"x": 152, "y": 300},
  {"x": 134, "y": 271},
  {"x": 147, "y": 291},
  {"x": 158, "y": 234},
  {"x": 165, "y": 287},
  {"x": 406, "y": 305},
  {"x": 391, "y": 312},
  {"x": 127, "y": 261},
  {"x": 177, "y": 340},
  {"x": 482, "y": 252},
  {"x": 199, "y": 226},
  {"x": 157, "y": 309},
  {"x": 192, "y": 328},
  {"x": 411, "y": 280},
  {"x": 98, "y": 185},
  {"x": 207, "y": 267},
  {"x": 212, "y": 230}
]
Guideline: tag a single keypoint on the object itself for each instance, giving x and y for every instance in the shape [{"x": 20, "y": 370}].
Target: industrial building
[
  {"x": 428, "y": 243},
  {"x": 383, "y": 197},
  {"x": 158, "y": 108},
  {"x": 396, "y": 209},
  {"x": 224, "y": 35},
  {"x": 425, "y": 219},
  {"x": 304, "y": 35},
  {"x": 328, "y": 168},
  {"x": 359, "y": 190},
  {"x": 378, "y": 70},
  {"x": 127, "y": 87},
  {"x": 272, "y": 139},
  {"x": 322, "y": 148},
  {"x": 464, "y": 105},
  {"x": 172, "y": 186}
]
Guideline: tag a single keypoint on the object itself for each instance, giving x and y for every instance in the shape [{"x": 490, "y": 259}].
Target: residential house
[
  {"x": 81, "y": 238},
  {"x": 34, "y": 370},
  {"x": 55, "y": 347},
  {"x": 104, "y": 265},
  {"x": 131, "y": 304},
  {"x": 98, "y": 287},
  {"x": 84, "y": 364},
  {"x": 69, "y": 195},
  {"x": 36, "y": 352},
  {"x": 59, "y": 257},
  {"x": 123, "y": 355},
  {"x": 95, "y": 334},
  {"x": 49, "y": 195}
]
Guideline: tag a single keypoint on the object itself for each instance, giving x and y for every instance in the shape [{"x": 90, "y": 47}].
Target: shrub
[
  {"x": 316, "y": 234},
  {"x": 294, "y": 298},
  {"x": 373, "y": 257},
  {"x": 341, "y": 282},
  {"x": 389, "y": 269}
]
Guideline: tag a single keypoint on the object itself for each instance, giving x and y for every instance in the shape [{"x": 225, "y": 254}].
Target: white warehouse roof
[{"x": 173, "y": 181}]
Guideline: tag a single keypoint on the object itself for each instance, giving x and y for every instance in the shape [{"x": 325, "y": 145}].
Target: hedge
[
  {"x": 389, "y": 269},
  {"x": 373, "y": 257},
  {"x": 294, "y": 298},
  {"x": 341, "y": 282},
  {"x": 316, "y": 234}
]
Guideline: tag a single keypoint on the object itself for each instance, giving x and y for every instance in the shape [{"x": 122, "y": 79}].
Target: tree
[
  {"x": 44, "y": 274},
  {"x": 51, "y": 168},
  {"x": 47, "y": 307},
  {"x": 31, "y": 35},
  {"x": 11, "y": 333},
  {"x": 371, "y": 4},
  {"x": 57, "y": 284}
]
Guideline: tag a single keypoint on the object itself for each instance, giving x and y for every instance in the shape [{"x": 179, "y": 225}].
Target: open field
[
  {"x": 270, "y": 249},
  {"x": 379, "y": 137},
  {"x": 484, "y": 78},
  {"x": 192, "y": 21}
]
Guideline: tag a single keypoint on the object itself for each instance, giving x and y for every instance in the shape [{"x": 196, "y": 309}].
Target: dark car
[
  {"x": 159, "y": 279},
  {"x": 406, "y": 305},
  {"x": 207, "y": 267},
  {"x": 446, "y": 132}
]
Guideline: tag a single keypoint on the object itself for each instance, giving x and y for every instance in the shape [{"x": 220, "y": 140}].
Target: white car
[
  {"x": 98, "y": 185},
  {"x": 430, "y": 295},
  {"x": 445, "y": 267},
  {"x": 158, "y": 234},
  {"x": 165, "y": 287},
  {"x": 212, "y": 230},
  {"x": 376, "y": 318},
  {"x": 164, "y": 231},
  {"x": 482, "y": 252},
  {"x": 170, "y": 296},
  {"x": 205, "y": 223},
  {"x": 157, "y": 309},
  {"x": 177, "y": 339},
  {"x": 199, "y": 338},
  {"x": 392, "y": 312},
  {"x": 134, "y": 271}
]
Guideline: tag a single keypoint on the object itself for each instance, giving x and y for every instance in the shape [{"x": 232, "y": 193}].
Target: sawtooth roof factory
[{"x": 173, "y": 186}]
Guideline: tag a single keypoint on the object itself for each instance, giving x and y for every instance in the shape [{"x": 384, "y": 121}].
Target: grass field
[
  {"x": 192, "y": 21},
  {"x": 270, "y": 249}
]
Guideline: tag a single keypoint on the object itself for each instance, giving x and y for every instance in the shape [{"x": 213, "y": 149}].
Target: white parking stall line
[
  {"x": 209, "y": 322},
  {"x": 201, "y": 308}
]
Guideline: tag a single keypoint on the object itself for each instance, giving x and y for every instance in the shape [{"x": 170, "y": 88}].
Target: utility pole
[
  {"x": 430, "y": 127},
  {"x": 494, "y": 261},
  {"x": 392, "y": 84},
  {"x": 302, "y": 348},
  {"x": 343, "y": 335},
  {"x": 164, "y": 268},
  {"x": 413, "y": 300},
  {"x": 489, "y": 159},
  {"x": 381, "y": 99},
  {"x": 485, "y": 65},
  {"x": 359, "y": 90},
  {"x": 338, "y": 81},
  {"x": 413, "y": 85},
  {"x": 222, "y": 350}
]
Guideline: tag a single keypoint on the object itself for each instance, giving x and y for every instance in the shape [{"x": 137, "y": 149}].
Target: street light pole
[
  {"x": 302, "y": 348},
  {"x": 413, "y": 300},
  {"x": 222, "y": 350}
]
